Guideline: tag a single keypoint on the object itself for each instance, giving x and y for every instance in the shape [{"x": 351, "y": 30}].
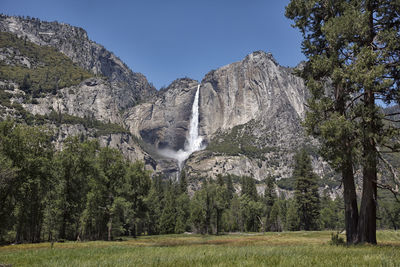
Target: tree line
[
  {"x": 82, "y": 192},
  {"x": 88, "y": 192}
]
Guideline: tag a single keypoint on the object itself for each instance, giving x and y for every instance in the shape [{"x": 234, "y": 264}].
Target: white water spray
[{"x": 193, "y": 140}]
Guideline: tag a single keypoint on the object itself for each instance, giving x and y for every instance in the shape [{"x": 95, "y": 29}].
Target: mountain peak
[{"x": 261, "y": 55}]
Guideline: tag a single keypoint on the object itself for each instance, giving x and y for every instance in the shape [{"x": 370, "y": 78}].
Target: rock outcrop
[
  {"x": 256, "y": 88},
  {"x": 94, "y": 98},
  {"x": 259, "y": 105},
  {"x": 74, "y": 42},
  {"x": 164, "y": 121}
]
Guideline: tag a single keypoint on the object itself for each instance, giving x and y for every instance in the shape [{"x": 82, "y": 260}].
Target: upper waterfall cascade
[{"x": 194, "y": 142}]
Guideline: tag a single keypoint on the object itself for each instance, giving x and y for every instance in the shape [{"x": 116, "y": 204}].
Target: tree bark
[
  {"x": 349, "y": 189},
  {"x": 134, "y": 229},
  {"x": 350, "y": 197},
  {"x": 367, "y": 219},
  {"x": 109, "y": 229}
]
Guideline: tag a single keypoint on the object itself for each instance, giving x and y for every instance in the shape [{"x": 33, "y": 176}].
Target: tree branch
[
  {"x": 354, "y": 100},
  {"x": 393, "y": 172},
  {"x": 386, "y": 119},
  {"x": 392, "y": 114},
  {"x": 388, "y": 187}
]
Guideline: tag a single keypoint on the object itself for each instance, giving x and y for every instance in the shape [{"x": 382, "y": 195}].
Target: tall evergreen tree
[
  {"x": 269, "y": 201},
  {"x": 182, "y": 213},
  {"x": 328, "y": 118},
  {"x": 168, "y": 215},
  {"x": 306, "y": 192},
  {"x": 292, "y": 217},
  {"x": 249, "y": 187},
  {"x": 353, "y": 52},
  {"x": 183, "y": 182},
  {"x": 154, "y": 206}
]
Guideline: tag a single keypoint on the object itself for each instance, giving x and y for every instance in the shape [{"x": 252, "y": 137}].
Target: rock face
[
  {"x": 250, "y": 111},
  {"x": 263, "y": 104},
  {"x": 74, "y": 42},
  {"x": 94, "y": 98},
  {"x": 256, "y": 88},
  {"x": 254, "y": 103},
  {"x": 164, "y": 121}
]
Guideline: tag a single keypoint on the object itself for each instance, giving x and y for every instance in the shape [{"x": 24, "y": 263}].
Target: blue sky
[{"x": 171, "y": 39}]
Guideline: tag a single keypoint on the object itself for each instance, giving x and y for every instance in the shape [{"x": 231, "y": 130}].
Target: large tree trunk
[
  {"x": 63, "y": 228},
  {"x": 349, "y": 189},
  {"x": 350, "y": 197},
  {"x": 367, "y": 220},
  {"x": 109, "y": 226},
  {"x": 134, "y": 228}
]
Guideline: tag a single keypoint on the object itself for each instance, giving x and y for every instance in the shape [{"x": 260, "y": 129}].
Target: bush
[{"x": 336, "y": 240}]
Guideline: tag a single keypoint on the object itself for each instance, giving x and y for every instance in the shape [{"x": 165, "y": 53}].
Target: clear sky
[{"x": 169, "y": 39}]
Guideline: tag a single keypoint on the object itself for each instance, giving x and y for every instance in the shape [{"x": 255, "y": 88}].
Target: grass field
[{"x": 270, "y": 249}]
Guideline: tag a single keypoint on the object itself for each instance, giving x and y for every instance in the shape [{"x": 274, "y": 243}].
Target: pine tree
[
  {"x": 269, "y": 201},
  {"x": 229, "y": 186},
  {"x": 183, "y": 182},
  {"x": 306, "y": 192},
  {"x": 168, "y": 215},
  {"x": 249, "y": 187},
  {"x": 328, "y": 118},
  {"x": 353, "y": 53},
  {"x": 292, "y": 217},
  {"x": 182, "y": 213},
  {"x": 8, "y": 174},
  {"x": 153, "y": 202},
  {"x": 198, "y": 211}
]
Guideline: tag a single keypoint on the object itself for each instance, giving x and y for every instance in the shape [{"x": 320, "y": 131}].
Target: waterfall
[{"x": 193, "y": 140}]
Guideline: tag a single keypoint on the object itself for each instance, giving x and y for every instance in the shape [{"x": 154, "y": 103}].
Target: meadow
[{"x": 269, "y": 249}]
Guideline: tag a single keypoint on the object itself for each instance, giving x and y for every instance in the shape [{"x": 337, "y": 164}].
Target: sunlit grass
[{"x": 270, "y": 249}]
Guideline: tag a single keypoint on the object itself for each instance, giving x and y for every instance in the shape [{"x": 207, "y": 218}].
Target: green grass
[{"x": 270, "y": 249}]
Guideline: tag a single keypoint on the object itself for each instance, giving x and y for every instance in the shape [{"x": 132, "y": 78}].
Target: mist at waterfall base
[{"x": 193, "y": 143}]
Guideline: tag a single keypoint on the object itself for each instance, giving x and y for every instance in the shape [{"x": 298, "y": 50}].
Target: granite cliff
[
  {"x": 130, "y": 87},
  {"x": 250, "y": 111}
]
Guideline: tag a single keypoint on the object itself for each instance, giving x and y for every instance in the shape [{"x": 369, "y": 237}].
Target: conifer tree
[
  {"x": 292, "y": 217},
  {"x": 306, "y": 192},
  {"x": 269, "y": 201},
  {"x": 168, "y": 215},
  {"x": 353, "y": 52}
]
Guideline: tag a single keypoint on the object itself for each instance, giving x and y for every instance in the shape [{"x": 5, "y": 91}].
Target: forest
[{"x": 88, "y": 192}]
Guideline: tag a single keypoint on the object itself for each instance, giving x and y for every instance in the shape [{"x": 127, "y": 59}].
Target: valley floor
[{"x": 269, "y": 249}]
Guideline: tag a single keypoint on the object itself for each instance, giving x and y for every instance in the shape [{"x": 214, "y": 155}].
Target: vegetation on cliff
[{"x": 37, "y": 69}]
